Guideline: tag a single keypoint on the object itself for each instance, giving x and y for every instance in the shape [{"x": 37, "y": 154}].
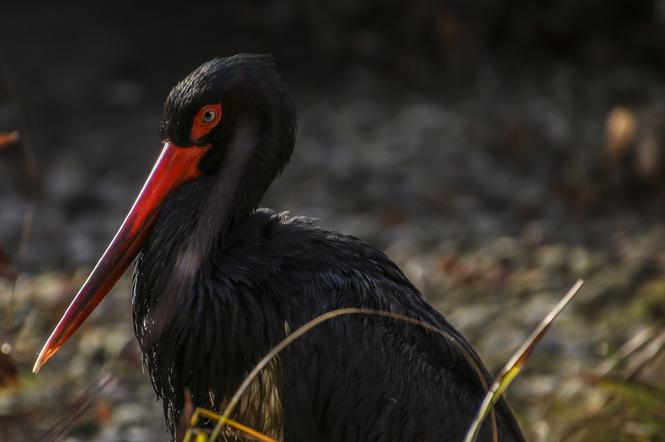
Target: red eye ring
[{"x": 205, "y": 120}]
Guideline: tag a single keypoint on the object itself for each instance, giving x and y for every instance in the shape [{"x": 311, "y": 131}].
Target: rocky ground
[{"x": 493, "y": 193}]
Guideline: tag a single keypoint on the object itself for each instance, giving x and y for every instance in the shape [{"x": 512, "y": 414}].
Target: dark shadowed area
[{"x": 496, "y": 151}]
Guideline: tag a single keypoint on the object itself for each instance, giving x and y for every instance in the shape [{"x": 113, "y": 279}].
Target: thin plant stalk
[
  {"x": 516, "y": 362},
  {"x": 326, "y": 317}
]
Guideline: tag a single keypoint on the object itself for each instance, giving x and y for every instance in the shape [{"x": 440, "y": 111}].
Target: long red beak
[{"x": 175, "y": 166}]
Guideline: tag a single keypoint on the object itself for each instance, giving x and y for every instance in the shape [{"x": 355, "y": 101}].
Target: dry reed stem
[
  {"x": 321, "y": 319},
  {"x": 517, "y": 361}
]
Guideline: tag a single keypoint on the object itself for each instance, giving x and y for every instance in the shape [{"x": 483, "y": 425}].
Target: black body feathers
[
  {"x": 219, "y": 283},
  {"x": 352, "y": 379}
]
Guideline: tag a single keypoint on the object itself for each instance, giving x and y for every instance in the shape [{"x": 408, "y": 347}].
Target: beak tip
[{"x": 41, "y": 360}]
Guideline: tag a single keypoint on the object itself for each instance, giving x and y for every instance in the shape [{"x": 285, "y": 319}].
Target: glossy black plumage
[{"x": 257, "y": 274}]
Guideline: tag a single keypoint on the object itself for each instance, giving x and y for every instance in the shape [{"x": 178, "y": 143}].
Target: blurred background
[{"x": 496, "y": 150}]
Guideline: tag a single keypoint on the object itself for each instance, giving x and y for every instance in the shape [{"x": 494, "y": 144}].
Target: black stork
[{"x": 218, "y": 282}]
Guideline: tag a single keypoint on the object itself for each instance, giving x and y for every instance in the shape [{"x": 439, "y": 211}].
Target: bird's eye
[
  {"x": 209, "y": 116},
  {"x": 205, "y": 120}
]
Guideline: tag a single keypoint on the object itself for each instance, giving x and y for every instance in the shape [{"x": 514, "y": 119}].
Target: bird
[{"x": 219, "y": 281}]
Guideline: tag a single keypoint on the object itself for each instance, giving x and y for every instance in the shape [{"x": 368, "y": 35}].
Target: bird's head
[
  {"x": 227, "y": 98},
  {"x": 231, "y": 117}
]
